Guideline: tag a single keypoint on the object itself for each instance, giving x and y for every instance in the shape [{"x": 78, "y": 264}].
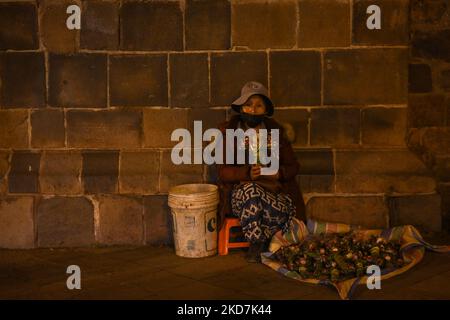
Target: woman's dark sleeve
[{"x": 232, "y": 173}]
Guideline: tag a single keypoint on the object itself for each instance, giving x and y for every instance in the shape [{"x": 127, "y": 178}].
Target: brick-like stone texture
[
  {"x": 100, "y": 171},
  {"x": 104, "y": 129},
  {"x": 431, "y": 45},
  {"x": 260, "y": 25},
  {"x": 427, "y": 110},
  {"x": 420, "y": 80},
  {"x": 210, "y": 118},
  {"x": 13, "y": 128},
  {"x": 158, "y": 221},
  {"x": 173, "y": 175},
  {"x": 100, "y": 25},
  {"x": 77, "y": 80},
  {"x": 139, "y": 172},
  {"x": 120, "y": 220},
  {"x": 138, "y": 80},
  {"x": 444, "y": 79},
  {"x": 208, "y": 25},
  {"x": 61, "y": 172},
  {"x": 231, "y": 70},
  {"x": 24, "y": 172},
  {"x": 363, "y": 76},
  {"x": 295, "y": 122},
  {"x": 366, "y": 211},
  {"x": 295, "y": 78},
  {"x": 16, "y": 222},
  {"x": 151, "y": 26},
  {"x": 47, "y": 128},
  {"x": 189, "y": 85},
  {"x": 324, "y": 23},
  {"x": 22, "y": 78},
  {"x": 422, "y": 211},
  {"x": 65, "y": 222},
  {"x": 316, "y": 170},
  {"x": 335, "y": 126},
  {"x": 4, "y": 167},
  {"x": 394, "y": 23},
  {"x": 18, "y": 26},
  {"x": 382, "y": 171},
  {"x": 56, "y": 37},
  {"x": 384, "y": 126},
  {"x": 156, "y": 135}
]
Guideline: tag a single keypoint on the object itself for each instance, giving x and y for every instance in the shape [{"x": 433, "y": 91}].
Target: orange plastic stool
[{"x": 224, "y": 236}]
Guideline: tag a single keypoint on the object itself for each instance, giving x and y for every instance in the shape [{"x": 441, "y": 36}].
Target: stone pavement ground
[{"x": 157, "y": 273}]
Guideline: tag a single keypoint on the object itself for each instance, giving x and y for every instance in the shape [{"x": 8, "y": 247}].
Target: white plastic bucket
[{"x": 194, "y": 213}]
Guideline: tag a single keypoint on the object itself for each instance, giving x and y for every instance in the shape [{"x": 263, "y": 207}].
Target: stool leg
[{"x": 223, "y": 240}]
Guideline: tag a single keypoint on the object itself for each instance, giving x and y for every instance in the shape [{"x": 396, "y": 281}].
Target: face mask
[{"x": 252, "y": 119}]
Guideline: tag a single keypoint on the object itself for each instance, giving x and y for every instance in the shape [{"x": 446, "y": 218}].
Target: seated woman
[{"x": 264, "y": 204}]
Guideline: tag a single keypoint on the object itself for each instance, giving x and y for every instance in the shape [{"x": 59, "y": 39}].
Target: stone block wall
[
  {"x": 86, "y": 115},
  {"x": 429, "y": 92}
]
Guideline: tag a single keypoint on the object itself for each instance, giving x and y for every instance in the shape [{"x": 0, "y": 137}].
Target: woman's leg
[
  {"x": 247, "y": 205},
  {"x": 262, "y": 213}
]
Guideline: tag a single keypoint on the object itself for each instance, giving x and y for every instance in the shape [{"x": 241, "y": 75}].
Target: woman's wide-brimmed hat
[{"x": 249, "y": 89}]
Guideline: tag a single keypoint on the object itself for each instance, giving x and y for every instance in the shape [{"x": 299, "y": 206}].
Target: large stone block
[
  {"x": 13, "y": 129},
  {"x": 77, "y": 80},
  {"x": 316, "y": 170},
  {"x": 139, "y": 172},
  {"x": 104, "y": 129},
  {"x": 210, "y": 118},
  {"x": 295, "y": 78},
  {"x": 422, "y": 211},
  {"x": 208, "y": 25},
  {"x": 158, "y": 221},
  {"x": 431, "y": 45},
  {"x": 420, "y": 80},
  {"x": 47, "y": 128},
  {"x": 152, "y": 25},
  {"x": 427, "y": 110},
  {"x": 24, "y": 173},
  {"x": 444, "y": 80},
  {"x": 295, "y": 122},
  {"x": 65, "y": 222},
  {"x": 4, "y": 167},
  {"x": 156, "y": 135},
  {"x": 16, "y": 222},
  {"x": 18, "y": 26},
  {"x": 376, "y": 171},
  {"x": 335, "y": 126},
  {"x": 365, "y": 76},
  {"x": 22, "y": 78},
  {"x": 56, "y": 37},
  {"x": 120, "y": 220},
  {"x": 138, "y": 80},
  {"x": 173, "y": 175},
  {"x": 394, "y": 22},
  {"x": 231, "y": 70},
  {"x": 260, "y": 25},
  {"x": 100, "y": 171},
  {"x": 383, "y": 126},
  {"x": 324, "y": 23},
  {"x": 100, "y": 25},
  {"x": 366, "y": 211},
  {"x": 189, "y": 85},
  {"x": 61, "y": 172}
]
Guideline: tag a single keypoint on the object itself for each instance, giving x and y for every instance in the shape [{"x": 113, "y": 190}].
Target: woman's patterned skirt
[{"x": 261, "y": 212}]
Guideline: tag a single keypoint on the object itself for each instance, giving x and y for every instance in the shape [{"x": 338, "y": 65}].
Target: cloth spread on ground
[{"x": 412, "y": 250}]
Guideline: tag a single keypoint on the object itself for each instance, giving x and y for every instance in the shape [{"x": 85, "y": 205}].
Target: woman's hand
[{"x": 255, "y": 171}]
